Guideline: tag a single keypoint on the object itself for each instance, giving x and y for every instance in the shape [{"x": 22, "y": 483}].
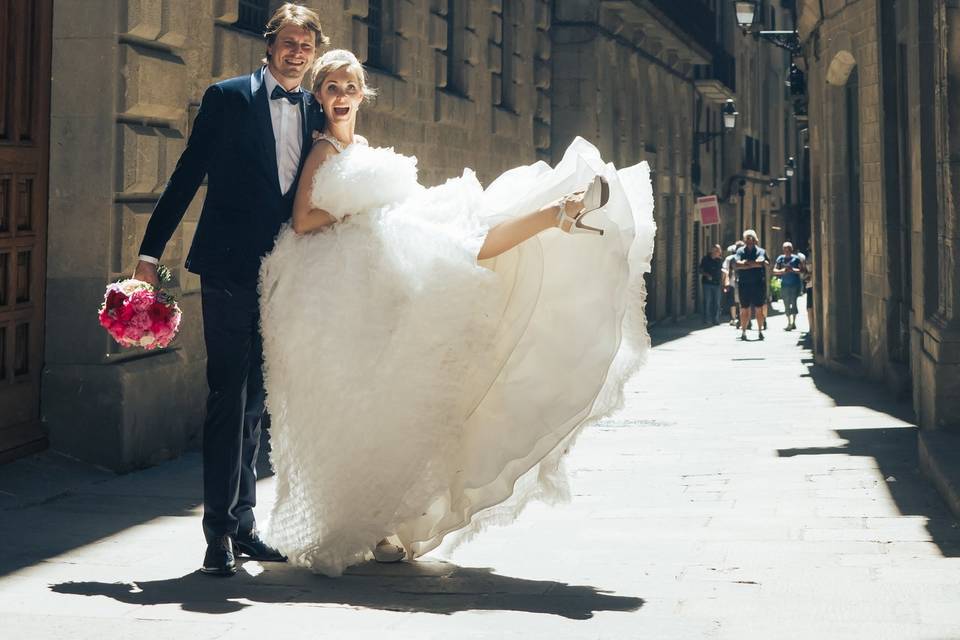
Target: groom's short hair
[{"x": 295, "y": 14}]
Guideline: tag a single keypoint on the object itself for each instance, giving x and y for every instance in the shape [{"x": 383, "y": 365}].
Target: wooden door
[{"x": 25, "y": 40}]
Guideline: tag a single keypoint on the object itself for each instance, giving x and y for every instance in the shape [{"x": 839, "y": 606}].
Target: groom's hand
[{"x": 147, "y": 272}]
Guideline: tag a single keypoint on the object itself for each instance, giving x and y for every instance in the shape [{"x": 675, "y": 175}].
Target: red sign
[{"x": 709, "y": 210}]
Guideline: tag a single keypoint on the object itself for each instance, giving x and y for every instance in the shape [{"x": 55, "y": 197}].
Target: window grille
[
  {"x": 381, "y": 35},
  {"x": 252, "y": 15}
]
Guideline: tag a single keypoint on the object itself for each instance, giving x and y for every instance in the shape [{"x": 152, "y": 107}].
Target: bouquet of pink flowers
[{"x": 137, "y": 315}]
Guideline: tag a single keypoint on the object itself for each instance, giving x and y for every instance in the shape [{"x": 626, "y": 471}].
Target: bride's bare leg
[{"x": 506, "y": 235}]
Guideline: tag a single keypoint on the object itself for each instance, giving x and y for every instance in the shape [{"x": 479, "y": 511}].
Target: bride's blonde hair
[{"x": 336, "y": 59}]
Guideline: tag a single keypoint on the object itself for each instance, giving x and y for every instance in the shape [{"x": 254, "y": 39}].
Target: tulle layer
[{"x": 416, "y": 393}]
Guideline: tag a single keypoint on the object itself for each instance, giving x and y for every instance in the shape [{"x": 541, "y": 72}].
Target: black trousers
[{"x": 235, "y": 406}]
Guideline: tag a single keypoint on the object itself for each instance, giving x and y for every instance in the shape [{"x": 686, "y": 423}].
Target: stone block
[
  {"x": 505, "y": 123},
  {"x": 541, "y": 14},
  {"x": 359, "y": 37},
  {"x": 134, "y": 217},
  {"x": 80, "y": 19},
  {"x": 227, "y": 11},
  {"x": 406, "y": 22},
  {"x": 75, "y": 91},
  {"x": 138, "y": 159},
  {"x": 472, "y": 49},
  {"x": 542, "y": 111},
  {"x": 440, "y": 69},
  {"x": 542, "y": 45},
  {"x": 124, "y": 416},
  {"x": 358, "y": 8},
  {"x": 576, "y": 10},
  {"x": 225, "y": 59},
  {"x": 69, "y": 341},
  {"x": 153, "y": 86},
  {"x": 541, "y": 135},
  {"x": 437, "y": 32},
  {"x": 142, "y": 18},
  {"x": 496, "y": 28},
  {"x": 81, "y": 194},
  {"x": 405, "y": 58},
  {"x": 175, "y": 31},
  {"x": 542, "y": 75},
  {"x": 494, "y": 58},
  {"x": 474, "y": 14}
]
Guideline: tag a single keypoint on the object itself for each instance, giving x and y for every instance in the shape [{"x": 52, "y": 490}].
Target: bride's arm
[{"x": 307, "y": 219}]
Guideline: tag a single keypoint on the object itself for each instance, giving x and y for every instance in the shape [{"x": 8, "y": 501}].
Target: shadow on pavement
[
  {"x": 425, "y": 587},
  {"x": 82, "y": 509},
  {"x": 894, "y": 449},
  {"x": 667, "y": 330}
]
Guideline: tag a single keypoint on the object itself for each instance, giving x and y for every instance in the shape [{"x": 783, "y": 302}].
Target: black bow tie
[{"x": 293, "y": 96}]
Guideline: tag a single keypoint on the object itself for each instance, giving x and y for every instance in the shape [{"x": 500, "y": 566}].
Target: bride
[{"x": 431, "y": 353}]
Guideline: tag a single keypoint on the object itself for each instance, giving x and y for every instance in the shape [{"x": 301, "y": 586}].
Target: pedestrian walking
[
  {"x": 731, "y": 299},
  {"x": 751, "y": 263},
  {"x": 789, "y": 268},
  {"x": 711, "y": 278}
]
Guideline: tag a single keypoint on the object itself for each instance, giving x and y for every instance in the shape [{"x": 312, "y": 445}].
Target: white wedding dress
[{"x": 414, "y": 392}]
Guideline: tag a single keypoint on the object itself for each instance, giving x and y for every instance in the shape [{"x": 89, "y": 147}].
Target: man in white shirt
[{"x": 249, "y": 140}]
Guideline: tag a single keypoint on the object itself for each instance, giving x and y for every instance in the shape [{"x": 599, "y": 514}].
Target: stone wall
[{"x": 881, "y": 76}]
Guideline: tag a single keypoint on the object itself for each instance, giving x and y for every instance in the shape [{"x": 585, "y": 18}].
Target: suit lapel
[
  {"x": 261, "y": 112},
  {"x": 305, "y": 109}
]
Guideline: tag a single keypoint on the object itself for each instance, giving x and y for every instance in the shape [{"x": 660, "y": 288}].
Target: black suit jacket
[{"x": 231, "y": 143}]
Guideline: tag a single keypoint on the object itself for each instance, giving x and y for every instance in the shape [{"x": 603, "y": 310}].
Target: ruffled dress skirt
[{"x": 415, "y": 392}]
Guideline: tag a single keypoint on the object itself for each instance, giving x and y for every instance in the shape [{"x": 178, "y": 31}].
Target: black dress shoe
[
  {"x": 219, "y": 559},
  {"x": 251, "y": 546}
]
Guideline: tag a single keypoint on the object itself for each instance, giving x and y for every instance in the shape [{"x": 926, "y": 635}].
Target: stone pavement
[{"x": 742, "y": 493}]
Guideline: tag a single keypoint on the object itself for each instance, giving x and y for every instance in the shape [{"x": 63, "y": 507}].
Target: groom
[{"x": 249, "y": 140}]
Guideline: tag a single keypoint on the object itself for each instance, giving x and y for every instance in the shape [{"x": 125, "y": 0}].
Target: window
[
  {"x": 252, "y": 15},
  {"x": 381, "y": 35}
]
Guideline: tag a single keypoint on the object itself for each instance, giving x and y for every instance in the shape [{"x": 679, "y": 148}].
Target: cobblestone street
[{"x": 742, "y": 493}]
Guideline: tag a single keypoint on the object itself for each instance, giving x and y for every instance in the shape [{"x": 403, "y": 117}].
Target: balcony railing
[{"x": 700, "y": 23}]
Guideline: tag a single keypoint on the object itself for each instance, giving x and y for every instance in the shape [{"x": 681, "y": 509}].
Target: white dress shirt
[{"x": 287, "y": 132}]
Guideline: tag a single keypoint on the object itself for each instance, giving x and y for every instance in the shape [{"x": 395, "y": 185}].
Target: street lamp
[
  {"x": 730, "y": 114},
  {"x": 790, "y": 168},
  {"x": 797, "y": 81},
  {"x": 747, "y": 15}
]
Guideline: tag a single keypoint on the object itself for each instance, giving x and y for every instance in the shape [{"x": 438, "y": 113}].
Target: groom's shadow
[{"x": 427, "y": 587}]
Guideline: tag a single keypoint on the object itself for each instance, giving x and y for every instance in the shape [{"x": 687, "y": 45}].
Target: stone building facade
[
  {"x": 646, "y": 80},
  {"x": 488, "y": 84},
  {"x": 883, "y": 141},
  {"x": 460, "y": 84}
]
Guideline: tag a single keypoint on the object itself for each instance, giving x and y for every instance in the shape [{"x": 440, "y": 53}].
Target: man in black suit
[{"x": 249, "y": 139}]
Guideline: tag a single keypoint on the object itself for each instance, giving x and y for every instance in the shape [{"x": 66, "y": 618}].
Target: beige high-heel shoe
[
  {"x": 596, "y": 197},
  {"x": 387, "y": 551}
]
